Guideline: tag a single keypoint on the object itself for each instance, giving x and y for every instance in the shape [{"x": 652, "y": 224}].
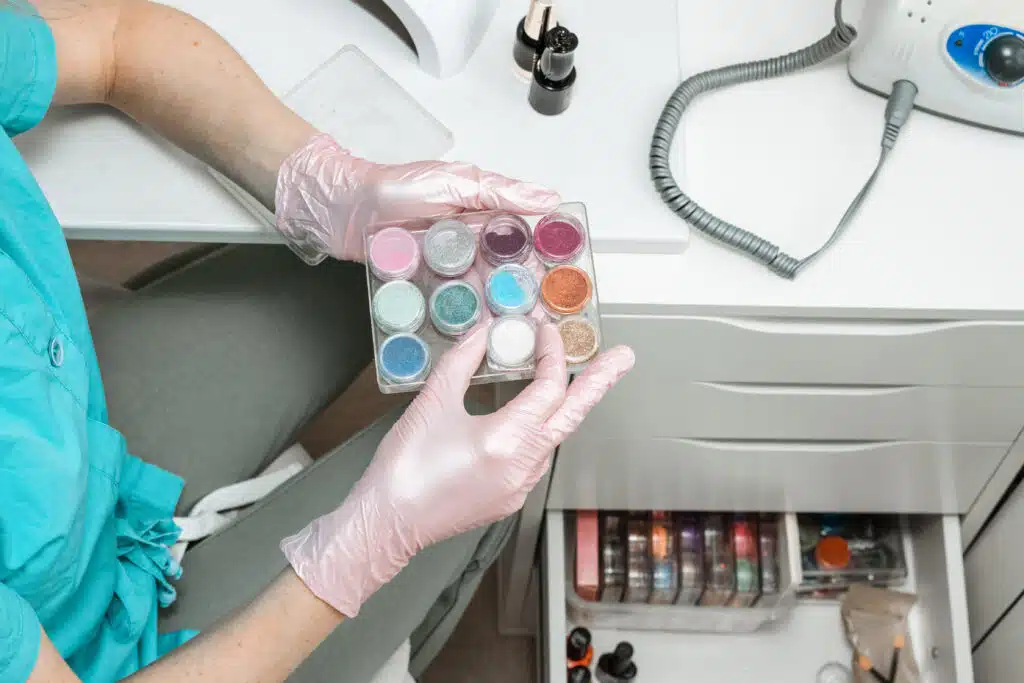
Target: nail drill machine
[{"x": 962, "y": 59}]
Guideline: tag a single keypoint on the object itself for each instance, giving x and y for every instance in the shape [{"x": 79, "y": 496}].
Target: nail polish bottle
[
  {"x": 578, "y": 648},
  {"x": 554, "y": 74},
  {"x": 579, "y": 674},
  {"x": 539, "y": 19},
  {"x": 617, "y": 666}
]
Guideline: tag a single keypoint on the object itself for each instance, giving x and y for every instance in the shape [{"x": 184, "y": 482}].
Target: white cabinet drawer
[
  {"x": 679, "y": 348},
  {"x": 643, "y": 406},
  {"x": 993, "y": 583},
  {"x": 687, "y": 474},
  {"x": 793, "y": 650},
  {"x": 999, "y": 659}
]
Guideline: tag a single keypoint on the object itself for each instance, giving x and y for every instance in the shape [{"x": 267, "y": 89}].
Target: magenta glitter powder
[{"x": 558, "y": 238}]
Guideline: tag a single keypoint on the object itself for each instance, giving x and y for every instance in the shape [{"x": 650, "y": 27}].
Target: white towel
[{"x": 396, "y": 669}]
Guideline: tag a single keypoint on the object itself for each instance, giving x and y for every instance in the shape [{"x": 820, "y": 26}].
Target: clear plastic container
[
  {"x": 664, "y": 559},
  {"x": 614, "y": 613},
  {"x": 436, "y": 263},
  {"x": 404, "y": 358},
  {"x": 449, "y": 248},
  {"x": 559, "y": 239},
  {"x": 455, "y": 308},
  {"x": 840, "y": 550},
  {"x": 638, "y": 558},
  {"x": 748, "y": 572},
  {"x": 511, "y": 343},
  {"x": 613, "y": 556},
  {"x": 691, "y": 559},
  {"x": 719, "y": 562},
  {"x": 351, "y": 98},
  {"x": 511, "y": 290},
  {"x": 506, "y": 239},
  {"x": 398, "y": 307}
]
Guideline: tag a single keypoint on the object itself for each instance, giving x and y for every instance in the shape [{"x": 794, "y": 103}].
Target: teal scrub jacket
[{"x": 84, "y": 526}]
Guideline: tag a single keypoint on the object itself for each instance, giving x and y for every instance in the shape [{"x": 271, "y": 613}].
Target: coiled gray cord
[{"x": 837, "y": 41}]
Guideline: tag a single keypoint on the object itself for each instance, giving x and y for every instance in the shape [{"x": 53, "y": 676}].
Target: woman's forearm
[
  {"x": 263, "y": 643},
  {"x": 174, "y": 74}
]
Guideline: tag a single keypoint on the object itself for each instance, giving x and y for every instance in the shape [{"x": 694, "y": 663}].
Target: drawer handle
[
  {"x": 754, "y": 389},
  {"x": 882, "y": 328},
  {"x": 815, "y": 446}
]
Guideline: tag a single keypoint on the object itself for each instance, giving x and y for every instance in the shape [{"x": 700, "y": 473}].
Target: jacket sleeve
[
  {"x": 20, "y": 637},
  {"x": 28, "y": 67}
]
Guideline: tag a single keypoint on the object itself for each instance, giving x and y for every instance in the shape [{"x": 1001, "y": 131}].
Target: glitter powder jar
[
  {"x": 566, "y": 290},
  {"x": 505, "y": 239},
  {"x": 691, "y": 560},
  {"x": 454, "y": 308},
  {"x": 511, "y": 290},
  {"x": 449, "y": 248},
  {"x": 638, "y": 559},
  {"x": 558, "y": 238},
  {"x": 511, "y": 343},
  {"x": 664, "y": 559},
  {"x": 613, "y": 556},
  {"x": 404, "y": 358},
  {"x": 394, "y": 254},
  {"x": 399, "y": 306},
  {"x": 579, "y": 337}
]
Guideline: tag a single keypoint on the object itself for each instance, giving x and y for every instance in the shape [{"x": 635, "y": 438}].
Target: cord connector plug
[{"x": 897, "y": 111}]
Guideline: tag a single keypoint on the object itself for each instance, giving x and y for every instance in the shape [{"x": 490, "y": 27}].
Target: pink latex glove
[
  {"x": 441, "y": 471},
  {"x": 326, "y": 197}
]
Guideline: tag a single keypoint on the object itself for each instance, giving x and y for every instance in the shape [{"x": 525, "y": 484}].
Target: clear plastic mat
[{"x": 356, "y": 102}]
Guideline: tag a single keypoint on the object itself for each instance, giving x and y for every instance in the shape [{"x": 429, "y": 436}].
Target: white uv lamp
[{"x": 446, "y": 33}]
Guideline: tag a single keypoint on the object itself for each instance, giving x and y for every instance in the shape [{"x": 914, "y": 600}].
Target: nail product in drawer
[
  {"x": 588, "y": 562},
  {"x": 687, "y": 572},
  {"x": 617, "y": 666},
  {"x": 748, "y": 561},
  {"x": 839, "y": 551},
  {"x": 768, "y": 549},
  {"x": 579, "y": 648},
  {"x": 719, "y": 563},
  {"x": 664, "y": 559},
  {"x": 431, "y": 284},
  {"x": 613, "y": 556},
  {"x": 691, "y": 559},
  {"x": 638, "y": 559}
]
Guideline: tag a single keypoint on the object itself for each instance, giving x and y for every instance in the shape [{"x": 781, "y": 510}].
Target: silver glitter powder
[{"x": 450, "y": 248}]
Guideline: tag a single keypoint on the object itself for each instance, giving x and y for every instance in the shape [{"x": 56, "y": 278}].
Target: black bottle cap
[
  {"x": 619, "y": 664},
  {"x": 554, "y": 74},
  {"x": 577, "y": 644},
  {"x": 579, "y": 674},
  {"x": 559, "y": 54}
]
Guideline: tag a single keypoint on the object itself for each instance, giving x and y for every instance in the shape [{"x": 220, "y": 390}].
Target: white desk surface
[{"x": 781, "y": 158}]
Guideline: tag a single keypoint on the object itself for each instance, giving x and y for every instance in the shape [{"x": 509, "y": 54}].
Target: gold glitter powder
[
  {"x": 566, "y": 290},
  {"x": 579, "y": 337}
]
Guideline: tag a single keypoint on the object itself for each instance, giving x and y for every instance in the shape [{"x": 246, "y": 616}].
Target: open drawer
[{"x": 791, "y": 650}]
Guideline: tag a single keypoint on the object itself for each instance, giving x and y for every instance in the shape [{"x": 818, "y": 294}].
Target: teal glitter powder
[{"x": 456, "y": 305}]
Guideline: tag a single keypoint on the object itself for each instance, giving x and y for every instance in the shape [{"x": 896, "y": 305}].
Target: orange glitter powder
[{"x": 566, "y": 290}]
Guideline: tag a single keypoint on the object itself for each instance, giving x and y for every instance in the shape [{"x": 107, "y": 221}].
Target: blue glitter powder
[
  {"x": 511, "y": 290},
  {"x": 404, "y": 358},
  {"x": 506, "y": 292}
]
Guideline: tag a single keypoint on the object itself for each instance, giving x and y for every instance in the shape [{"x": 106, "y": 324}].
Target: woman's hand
[
  {"x": 441, "y": 471},
  {"x": 326, "y": 197}
]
